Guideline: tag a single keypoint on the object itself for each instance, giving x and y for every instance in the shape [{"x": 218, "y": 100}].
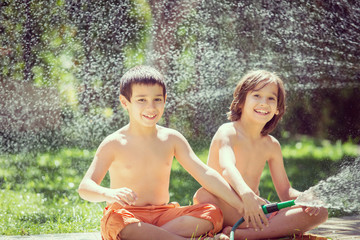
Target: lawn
[{"x": 38, "y": 190}]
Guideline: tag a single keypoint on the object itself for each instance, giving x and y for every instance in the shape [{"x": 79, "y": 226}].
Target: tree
[
  {"x": 104, "y": 28},
  {"x": 310, "y": 44}
]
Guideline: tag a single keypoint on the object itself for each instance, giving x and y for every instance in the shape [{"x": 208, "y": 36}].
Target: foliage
[
  {"x": 297, "y": 39},
  {"x": 75, "y": 48},
  {"x": 81, "y": 49},
  {"x": 43, "y": 199},
  {"x": 325, "y": 113}
]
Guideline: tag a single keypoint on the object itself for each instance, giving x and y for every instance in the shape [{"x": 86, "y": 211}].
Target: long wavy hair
[{"x": 247, "y": 84}]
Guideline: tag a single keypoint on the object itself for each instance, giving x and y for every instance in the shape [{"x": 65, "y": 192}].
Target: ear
[
  {"x": 165, "y": 98},
  {"x": 277, "y": 112},
  {"x": 123, "y": 101}
]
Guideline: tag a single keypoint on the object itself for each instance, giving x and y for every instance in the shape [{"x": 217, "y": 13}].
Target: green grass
[
  {"x": 309, "y": 161},
  {"x": 38, "y": 193},
  {"x": 26, "y": 213},
  {"x": 38, "y": 190}
]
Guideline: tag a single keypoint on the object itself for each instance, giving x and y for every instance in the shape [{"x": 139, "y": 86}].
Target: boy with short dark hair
[{"x": 139, "y": 158}]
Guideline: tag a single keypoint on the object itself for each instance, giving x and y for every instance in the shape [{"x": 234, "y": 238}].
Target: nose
[
  {"x": 263, "y": 101},
  {"x": 151, "y": 104}
]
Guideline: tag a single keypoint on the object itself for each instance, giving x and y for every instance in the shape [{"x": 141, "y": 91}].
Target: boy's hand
[
  {"x": 312, "y": 211},
  {"x": 123, "y": 196},
  {"x": 253, "y": 212}
]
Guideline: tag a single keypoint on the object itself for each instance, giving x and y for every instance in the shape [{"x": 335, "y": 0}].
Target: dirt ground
[{"x": 340, "y": 228}]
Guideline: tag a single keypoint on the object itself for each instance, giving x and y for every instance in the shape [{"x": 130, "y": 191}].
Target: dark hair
[
  {"x": 140, "y": 75},
  {"x": 249, "y": 83}
]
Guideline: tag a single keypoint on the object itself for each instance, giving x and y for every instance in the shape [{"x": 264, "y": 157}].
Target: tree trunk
[
  {"x": 29, "y": 41},
  {"x": 167, "y": 15}
]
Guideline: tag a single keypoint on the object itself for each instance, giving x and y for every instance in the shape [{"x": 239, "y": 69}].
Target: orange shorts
[{"x": 116, "y": 217}]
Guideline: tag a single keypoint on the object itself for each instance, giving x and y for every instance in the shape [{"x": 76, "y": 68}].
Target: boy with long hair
[{"x": 239, "y": 151}]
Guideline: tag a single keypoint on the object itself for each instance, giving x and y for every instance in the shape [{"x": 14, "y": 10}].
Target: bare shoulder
[
  {"x": 272, "y": 140},
  {"x": 167, "y": 131},
  {"x": 227, "y": 127},
  {"x": 114, "y": 141},
  {"x": 273, "y": 145},
  {"x": 174, "y": 141},
  {"x": 226, "y": 130},
  {"x": 169, "y": 134}
]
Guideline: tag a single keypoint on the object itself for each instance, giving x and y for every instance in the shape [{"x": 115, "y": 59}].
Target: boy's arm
[
  {"x": 281, "y": 181},
  {"x": 252, "y": 202},
  {"x": 205, "y": 175},
  {"x": 278, "y": 174},
  {"x": 90, "y": 189}
]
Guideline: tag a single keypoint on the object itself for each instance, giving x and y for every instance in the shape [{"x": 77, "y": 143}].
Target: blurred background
[{"x": 61, "y": 62}]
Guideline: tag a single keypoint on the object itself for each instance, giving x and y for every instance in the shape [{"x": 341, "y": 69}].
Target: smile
[
  {"x": 149, "y": 116},
  {"x": 261, "y": 111}
]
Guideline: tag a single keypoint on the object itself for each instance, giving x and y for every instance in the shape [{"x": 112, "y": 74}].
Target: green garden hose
[{"x": 268, "y": 208}]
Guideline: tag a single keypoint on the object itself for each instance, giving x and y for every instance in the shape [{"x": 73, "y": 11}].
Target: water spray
[{"x": 268, "y": 208}]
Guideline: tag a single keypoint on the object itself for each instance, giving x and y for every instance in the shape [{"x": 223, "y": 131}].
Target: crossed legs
[
  {"x": 185, "y": 227},
  {"x": 287, "y": 222}
]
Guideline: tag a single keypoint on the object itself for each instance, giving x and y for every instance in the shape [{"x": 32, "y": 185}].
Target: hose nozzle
[{"x": 273, "y": 207}]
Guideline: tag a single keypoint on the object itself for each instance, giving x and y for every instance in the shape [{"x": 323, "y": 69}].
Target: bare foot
[{"x": 227, "y": 230}]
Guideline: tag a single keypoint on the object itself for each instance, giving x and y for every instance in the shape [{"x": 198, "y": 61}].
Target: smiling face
[
  {"x": 261, "y": 82},
  {"x": 261, "y": 103},
  {"x": 146, "y": 105}
]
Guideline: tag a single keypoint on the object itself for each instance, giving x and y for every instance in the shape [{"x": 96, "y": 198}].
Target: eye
[
  {"x": 256, "y": 95},
  {"x": 272, "y": 98},
  {"x": 158, "y": 99},
  {"x": 141, "y": 100}
]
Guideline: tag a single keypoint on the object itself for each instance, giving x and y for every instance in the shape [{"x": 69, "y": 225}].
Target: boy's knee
[
  {"x": 128, "y": 231},
  {"x": 203, "y": 196},
  {"x": 124, "y": 234},
  {"x": 323, "y": 215}
]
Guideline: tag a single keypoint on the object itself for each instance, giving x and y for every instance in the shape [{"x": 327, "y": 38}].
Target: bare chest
[
  {"x": 143, "y": 167},
  {"x": 251, "y": 159},
  {"x": 143, "y": 158}
]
